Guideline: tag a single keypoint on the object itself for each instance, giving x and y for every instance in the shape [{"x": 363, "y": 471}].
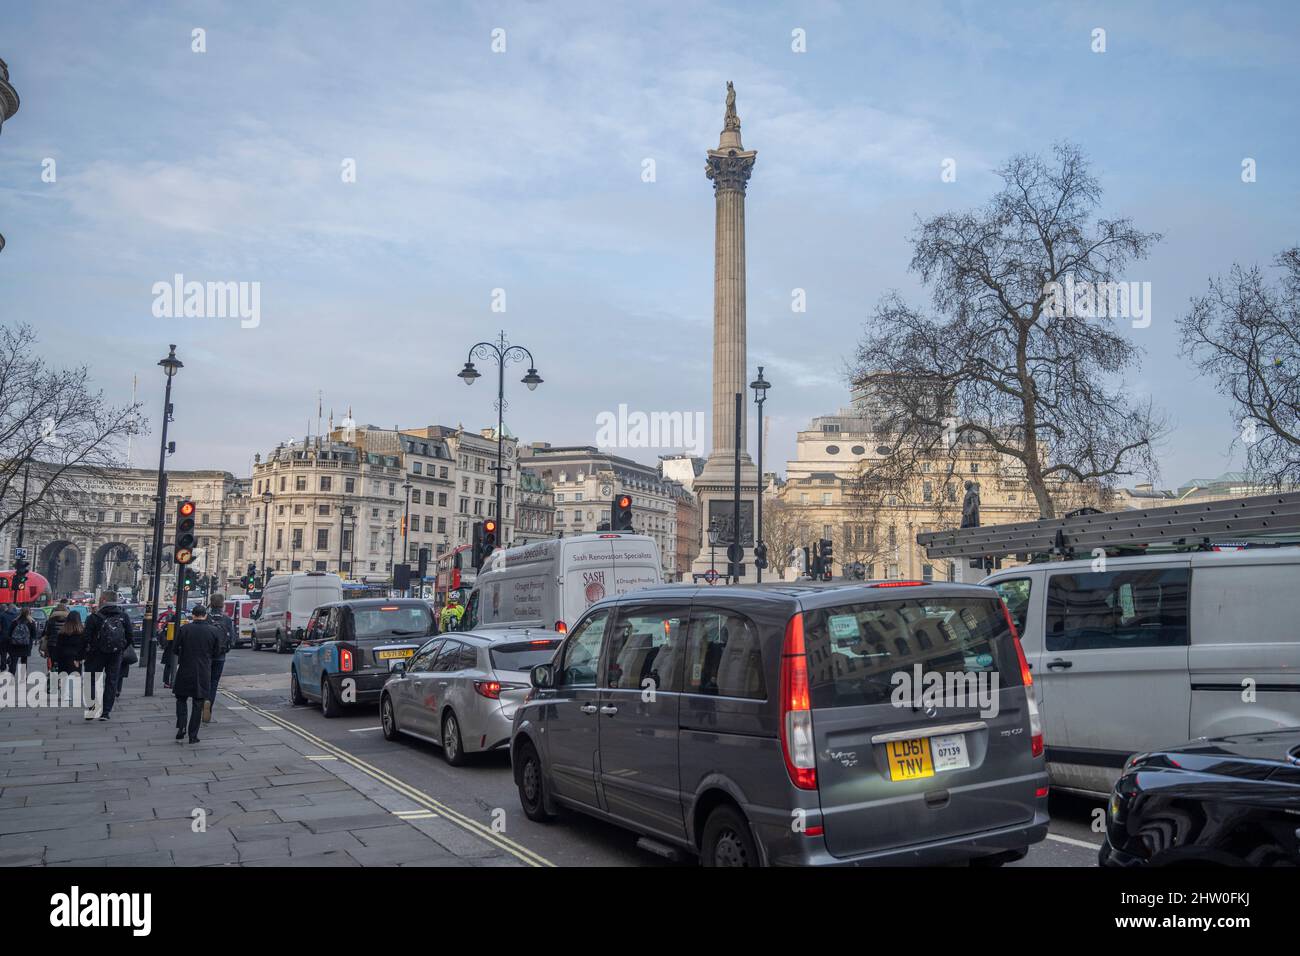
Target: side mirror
[
  {"x": 398, "y": 668},
  {"x": 542, "y": 676}
]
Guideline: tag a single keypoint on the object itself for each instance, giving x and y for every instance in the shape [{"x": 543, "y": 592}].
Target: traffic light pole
[
  {"x": 155, "y": 574},
  {"x": 733, "y": 566}
]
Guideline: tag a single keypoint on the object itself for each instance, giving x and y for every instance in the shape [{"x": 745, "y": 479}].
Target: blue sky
[{"x": 522, "y": 171}]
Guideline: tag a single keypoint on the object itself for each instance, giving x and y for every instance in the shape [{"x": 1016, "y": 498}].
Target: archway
[
  {"x": 114, "y": 567},
  {"x": 60, "y": 562}
]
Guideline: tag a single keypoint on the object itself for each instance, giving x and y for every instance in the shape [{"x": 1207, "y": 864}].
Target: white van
[
  {"x": 287, "y": 603},
  {"x": 1156, "y": 650},
  {"x": 551, "y": 583}
]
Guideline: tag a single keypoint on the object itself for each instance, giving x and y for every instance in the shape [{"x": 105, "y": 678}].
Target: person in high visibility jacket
[{"x": 451, "y": 615}]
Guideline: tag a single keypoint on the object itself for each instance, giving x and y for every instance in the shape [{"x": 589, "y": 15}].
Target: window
[
  {"x": 581, "y": 653},
  {"x": 1015, "y": 595},
  {"x": 468, "y": 657},
  {"x": 415, "y": 496},
  {"x": 323, "y": 510},
  {"x": 322, "y": 541},
  {"x": 927, "y": 491},
  {"x": 855, "y": 650},
  {"x": 1117, "y": 609},
  {"x": 645, "y": 650},
  {"x": 297, "y": 538},
  {"x": 425, "y": 655},
  {"x": 417, "y": 468},
  {"x": 324, "y": 482},
  {"x": 349, "y": 485},
  {"x": 448, "y": 659},
  {"x": 442, "y": 499},
  {"x": 723, "y": 655},
  {"x": 300, "y": 483}
]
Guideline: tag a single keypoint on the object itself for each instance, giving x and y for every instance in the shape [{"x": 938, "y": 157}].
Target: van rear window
[{"x": 859, "y": 653}]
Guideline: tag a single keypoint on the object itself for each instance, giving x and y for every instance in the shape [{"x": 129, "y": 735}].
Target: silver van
[
  {"x": 1150, "y": 651},
  {"x": 792, "y": 724},
  {"x": 287, "y": 603}
]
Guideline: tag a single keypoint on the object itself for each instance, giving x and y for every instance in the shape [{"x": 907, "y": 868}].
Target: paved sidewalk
[{"x": 122, "y": 792}]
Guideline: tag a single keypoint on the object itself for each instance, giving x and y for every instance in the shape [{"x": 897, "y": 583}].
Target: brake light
[
  {"x": 562, "y": 627},
  {"x": 345, "y": 659},
  {"x": 796, "y": 709},
  {"x": 489, "y": 688},
  {"x": 897, "y": 584},
  {"x": 1027, "y": 679},
  {"x": 288, "y": 618}
]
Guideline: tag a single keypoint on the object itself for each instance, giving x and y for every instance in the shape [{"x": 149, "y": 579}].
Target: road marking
[
  {"x": 236, "y": 708},
  {"x": 264, "y": 727},
  {"x": 363, "y": 730},
  {"x": 500, "y": 841},
  {"x": 414, "y": 814},
  {"x": 321, "y": 757},
  {"x": 1073, "y": 842}
]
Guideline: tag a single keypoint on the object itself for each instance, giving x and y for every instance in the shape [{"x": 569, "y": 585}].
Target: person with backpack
[
  {"x": 196, "y": 645},
  {"x": 50, "y": 638},
  {"x": 108, "y": 635},
  {"x": 228, "y": 635},
  {"x": 8, "y": 614},
  {"x": 22, "y": 635}
]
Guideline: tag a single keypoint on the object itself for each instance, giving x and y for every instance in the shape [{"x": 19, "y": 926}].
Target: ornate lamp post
[
  {"x": 170, "y": 366},
  {"x": 715, "y": 534},
  {"x": 760, "y": 386},
  {"x": 267, "y": 498},
  {"x": 504, "y": 355},
  {"x": 406, "y": 527}
]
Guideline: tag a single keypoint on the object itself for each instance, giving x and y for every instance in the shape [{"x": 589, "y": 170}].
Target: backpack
[
  {"x": 21, "y": 635},
  {"x": 112, "y": 635},
  {"x": 227, "y": 628}
]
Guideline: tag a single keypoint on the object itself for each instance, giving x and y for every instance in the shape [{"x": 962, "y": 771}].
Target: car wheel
[
  {"x": 329, "y": 704},
  {"x": 453, "y": 750},
  {"x": 388, "y": 718},
  {"x": 296, "y": 696},
  {"x": 532, "y": 788},
  {"x": 280, "y": 647},
  {"x": 727, "y": 840}
]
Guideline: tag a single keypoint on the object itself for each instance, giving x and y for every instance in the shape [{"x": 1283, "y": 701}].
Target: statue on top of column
[{"x": 732, "y": 121}]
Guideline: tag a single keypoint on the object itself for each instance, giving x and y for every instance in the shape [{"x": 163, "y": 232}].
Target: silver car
[{"x": 460, "y": 690}]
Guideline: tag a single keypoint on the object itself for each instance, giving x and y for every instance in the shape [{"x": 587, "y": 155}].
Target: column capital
[{"x": 730, "y": 169}]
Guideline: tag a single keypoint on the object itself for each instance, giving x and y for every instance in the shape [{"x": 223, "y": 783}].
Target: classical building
[
  {"x": 585, "y": 480},
  {"x": 729, "y": 167},
  {"x": 536, "y": 515},
  {"x": 94, "y": 531},
  {"x": 475, "y": 457}
]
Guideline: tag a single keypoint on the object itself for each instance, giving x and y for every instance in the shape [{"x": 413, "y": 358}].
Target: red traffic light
[
  {"x": 186, "y": 509},
  {"x": 625, "y": 501},
  {"x": 490, "y": 527}
]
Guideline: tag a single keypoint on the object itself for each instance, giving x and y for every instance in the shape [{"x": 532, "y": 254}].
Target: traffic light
[
  {"x": 828, "y": 558},
  {"x": 815, "y": 565},
  {"x": 621, "y": 514},
  {"x": 183, "y": 546},
  {"x": 21, "y": 567},
  {"x": 760, "y": 556},
  {"x": 483, "y": 542},
  {"x": 424, "y": 564},
  {"x": 189, "y": 579}
]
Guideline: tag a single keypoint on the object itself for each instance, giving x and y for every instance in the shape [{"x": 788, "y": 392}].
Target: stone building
[{"x": 536, "y": 516}]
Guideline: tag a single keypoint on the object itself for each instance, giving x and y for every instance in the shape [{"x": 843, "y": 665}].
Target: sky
[{"x": 504, "y": 146}]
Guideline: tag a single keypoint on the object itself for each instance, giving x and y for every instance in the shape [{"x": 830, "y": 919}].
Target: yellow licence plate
[
  {"x": 909, "y": 759},
  {"x": 396, "y": 655}
]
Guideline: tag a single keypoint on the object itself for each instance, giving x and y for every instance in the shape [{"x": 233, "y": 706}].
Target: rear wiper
[{"x": 404, "y": 633}]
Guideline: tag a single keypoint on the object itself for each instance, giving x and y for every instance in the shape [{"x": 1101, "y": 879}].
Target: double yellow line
[{"x": 500, "y": 841}]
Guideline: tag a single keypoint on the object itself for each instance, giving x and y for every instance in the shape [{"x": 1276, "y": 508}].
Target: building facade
[{"x": 536, "y": 517}]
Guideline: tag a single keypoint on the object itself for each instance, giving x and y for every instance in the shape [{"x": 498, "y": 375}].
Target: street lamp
[
  {"x": 170, "y": 365},
  {"x": 760, "y": 386},
  {"x": 715, "y": 535},
  {"x": 504, "y": 355},
  {"x": 267, "y": 498},
  {"x": 406, "y": 528}
]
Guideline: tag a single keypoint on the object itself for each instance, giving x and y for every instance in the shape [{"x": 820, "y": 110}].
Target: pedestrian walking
[
  {"x": 8, "y": 614},
  {"x": 22, "y": 635},
  {"x": 50, "y": 640},
  {"x": 108, "y": 635},
  {"x": 169, "y": 624},
  {"x": 196, "y": 645},
  {"x": 69, "y": 647},
  {"x": 227, "y": 628}
]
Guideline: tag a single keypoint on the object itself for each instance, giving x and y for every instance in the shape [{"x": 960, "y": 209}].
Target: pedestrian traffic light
[
  {"x": 183, "y": 547},
  {"x": 621, "y": 514}
]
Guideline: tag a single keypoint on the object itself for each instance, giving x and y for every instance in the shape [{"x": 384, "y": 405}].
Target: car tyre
[
  {"x": 532, "y": 785},
  {"x": 296, "y": 696},
  {"x": 280, "y": 646},
  {"x": 453, "y": 748},
  {"x": 329, "y": 704},
  {"x": 727, "y": 840},
  {"x": 388, "y": 718}
]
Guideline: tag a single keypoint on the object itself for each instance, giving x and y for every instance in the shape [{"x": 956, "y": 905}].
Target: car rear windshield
[
  {"x": 392, "y": 620},
  {"x": 860, "y": 653},
  {"x": 523, "y": 656}
]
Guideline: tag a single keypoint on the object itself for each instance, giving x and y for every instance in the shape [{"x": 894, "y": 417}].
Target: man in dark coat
[
  {"x": 196, "y": 644},
  {"x": 227, "y": 628},
  {"x": 104, "y": 652}
]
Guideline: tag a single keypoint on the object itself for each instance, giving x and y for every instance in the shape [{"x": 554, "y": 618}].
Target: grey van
[{"x": 789, "y": 724}]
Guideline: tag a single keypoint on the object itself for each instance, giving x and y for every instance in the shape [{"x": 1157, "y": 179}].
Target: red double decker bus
[{"x": 35, "y": 590}]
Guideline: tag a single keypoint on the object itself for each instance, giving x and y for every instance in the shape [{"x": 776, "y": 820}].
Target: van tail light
[
  {"x": 1027, "y": 679},
  {"x": 288, "y": 618},
  {"x": 562, "y": 627},
  {"x": 345, "y": 659},
  {"x": 796, "y": 709}
]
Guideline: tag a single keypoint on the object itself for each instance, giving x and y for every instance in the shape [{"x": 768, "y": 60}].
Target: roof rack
[{"x": 1188, "y": 525}]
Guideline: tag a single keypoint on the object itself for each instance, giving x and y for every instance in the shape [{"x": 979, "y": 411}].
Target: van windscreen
[{"x": 866, "y": 653}]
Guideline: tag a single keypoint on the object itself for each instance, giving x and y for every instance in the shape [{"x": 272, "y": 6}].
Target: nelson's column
[{"x": 729, "y": 166}]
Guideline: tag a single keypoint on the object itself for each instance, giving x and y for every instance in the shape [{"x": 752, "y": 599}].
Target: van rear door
[{"x": 920, "y": 720}]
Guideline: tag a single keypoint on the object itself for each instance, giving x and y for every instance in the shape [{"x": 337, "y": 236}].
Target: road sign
[
  {"x": 711, "y": 576},
  {"x": 735, "y": 552},
  {"x": 20, "y": 553}
]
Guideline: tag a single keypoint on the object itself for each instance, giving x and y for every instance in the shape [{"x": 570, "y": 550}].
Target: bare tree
[
  {"x": 1003, "y": 361},
  {"x": 784, "y": 529},
  {"x": 55, "y": 431},
  {"x": 1245, "y": 334}
]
